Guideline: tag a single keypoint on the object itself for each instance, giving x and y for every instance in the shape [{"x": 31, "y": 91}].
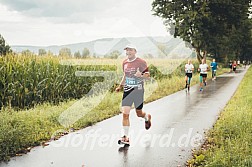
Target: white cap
[{"x": 130, "y": 46}]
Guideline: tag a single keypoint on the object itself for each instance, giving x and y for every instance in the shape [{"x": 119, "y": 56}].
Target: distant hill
[{"x": 155, "y": 46}]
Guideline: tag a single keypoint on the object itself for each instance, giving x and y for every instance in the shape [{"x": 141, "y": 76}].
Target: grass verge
[{"x": 229, "y": 142}]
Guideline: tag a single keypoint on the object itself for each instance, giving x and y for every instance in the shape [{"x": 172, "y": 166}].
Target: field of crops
[
  {"x": 29, "y": 80},
  {"x": 26, "y": 81}
]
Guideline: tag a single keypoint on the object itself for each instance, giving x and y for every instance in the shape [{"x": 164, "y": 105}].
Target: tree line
[
  {"x": 64, "y": 52},
  {"x": 217, "y": 28}
]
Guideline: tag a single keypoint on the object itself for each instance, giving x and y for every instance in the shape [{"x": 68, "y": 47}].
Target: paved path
[{"x": 179, "y": 122}]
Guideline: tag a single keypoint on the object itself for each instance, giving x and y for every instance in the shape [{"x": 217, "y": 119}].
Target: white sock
[
  {"x": 125, "y": 131},
  {"x": 146, "y": 117}
]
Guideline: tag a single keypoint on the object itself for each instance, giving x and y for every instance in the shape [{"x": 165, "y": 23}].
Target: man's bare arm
[{"x": 121, "y": 84}]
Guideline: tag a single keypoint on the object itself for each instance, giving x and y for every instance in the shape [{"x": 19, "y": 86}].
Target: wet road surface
[{"x": 178, "y": 125}]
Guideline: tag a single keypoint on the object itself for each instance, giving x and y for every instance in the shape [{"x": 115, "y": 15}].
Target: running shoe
[
  {"x": 148, "y": 123},
  {"x": 124, "y": 140}
]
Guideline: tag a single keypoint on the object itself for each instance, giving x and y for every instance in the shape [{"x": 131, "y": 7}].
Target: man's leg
[
  {"x": 204, "y": 81},
  {"x": 201, "y": 83},
  {"x": 126, "y": 107},
  {"x": 186, "y": 78},
  {"x": 189, "y": 82},
  {"x": 147, "y": 118},
  {"x": 138, "y": 102},
  {"x": 126, "y": 122},
  {"x": 140, "y": 113}
]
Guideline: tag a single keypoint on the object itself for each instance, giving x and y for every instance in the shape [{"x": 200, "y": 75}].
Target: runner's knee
[
  {"x": 126, "y": 110},
  {"x": 125, "y": 116}
]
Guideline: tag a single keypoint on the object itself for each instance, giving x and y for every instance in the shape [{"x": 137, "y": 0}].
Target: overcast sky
[{"x": 58, "y": 22}]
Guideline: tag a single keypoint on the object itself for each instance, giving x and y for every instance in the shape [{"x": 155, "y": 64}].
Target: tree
[
  {"x": 245, "y": 49},
  {"x": 186, "y": 19},
  {"x": 207, "y": 25},
  {"x": 77, "y": 55},
  {"x": 113, "y": 55},
  {"x": 4, "y": 49},
  {"x": 27, "y": 52},
  {"x": 65, "y": 52},
  {"x": 232, "y": 28},
  {"x": 85, "y": 53},
  {"x": 41, "y": 52}
]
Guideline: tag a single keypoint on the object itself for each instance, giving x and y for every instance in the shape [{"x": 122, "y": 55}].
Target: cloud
[
  {"x": 62, "y": 10},
  {"x": 59, "y": 22},
  {"x": 20, "y": 5}
]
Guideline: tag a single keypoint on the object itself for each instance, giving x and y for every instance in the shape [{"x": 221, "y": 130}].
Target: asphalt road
[{"x": 178, "y": 125}]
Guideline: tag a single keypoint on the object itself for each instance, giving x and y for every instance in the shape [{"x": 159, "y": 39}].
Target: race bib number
[{"x": 131, "y": 81}]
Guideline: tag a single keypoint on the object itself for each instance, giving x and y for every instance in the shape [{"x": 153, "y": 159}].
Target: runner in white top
[
  {"x": 203, "y": 68},
  {"x": 189, "y": 68}
]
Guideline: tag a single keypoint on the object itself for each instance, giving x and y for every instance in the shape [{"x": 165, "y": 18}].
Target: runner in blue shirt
[{"x": 214, "y": 67}]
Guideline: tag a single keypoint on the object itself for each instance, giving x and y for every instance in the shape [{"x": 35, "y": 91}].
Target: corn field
[
  {"x": 26, "y": 81},
  {"x": 29, "y": 80}
]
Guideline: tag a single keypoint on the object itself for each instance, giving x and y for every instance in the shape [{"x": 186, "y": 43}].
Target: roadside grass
[
  {"x": 229, "y": 142},
  {"x": 21, "y": 130}
]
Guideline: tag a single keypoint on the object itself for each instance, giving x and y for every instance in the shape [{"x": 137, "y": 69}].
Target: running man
[
  {"x": 244, "y": 64},
  {"x": 135, "y": 71},
  {"x": 234, "y": 65},
  {"x": 214, "y": 67},
  {"x": 230, "y": 66},
  {"x": 189, "y": 68},
  {"x": 203, "y": 68}
]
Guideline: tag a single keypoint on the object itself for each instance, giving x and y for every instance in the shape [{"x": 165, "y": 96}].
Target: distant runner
[
  {"x": 230, "y": 66},
  {"x": 203, "y": 68},
  {"x": 234, "y": 65},
  {"x": 214, "y": 67},
  {"x": 189, "y": 68}
]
